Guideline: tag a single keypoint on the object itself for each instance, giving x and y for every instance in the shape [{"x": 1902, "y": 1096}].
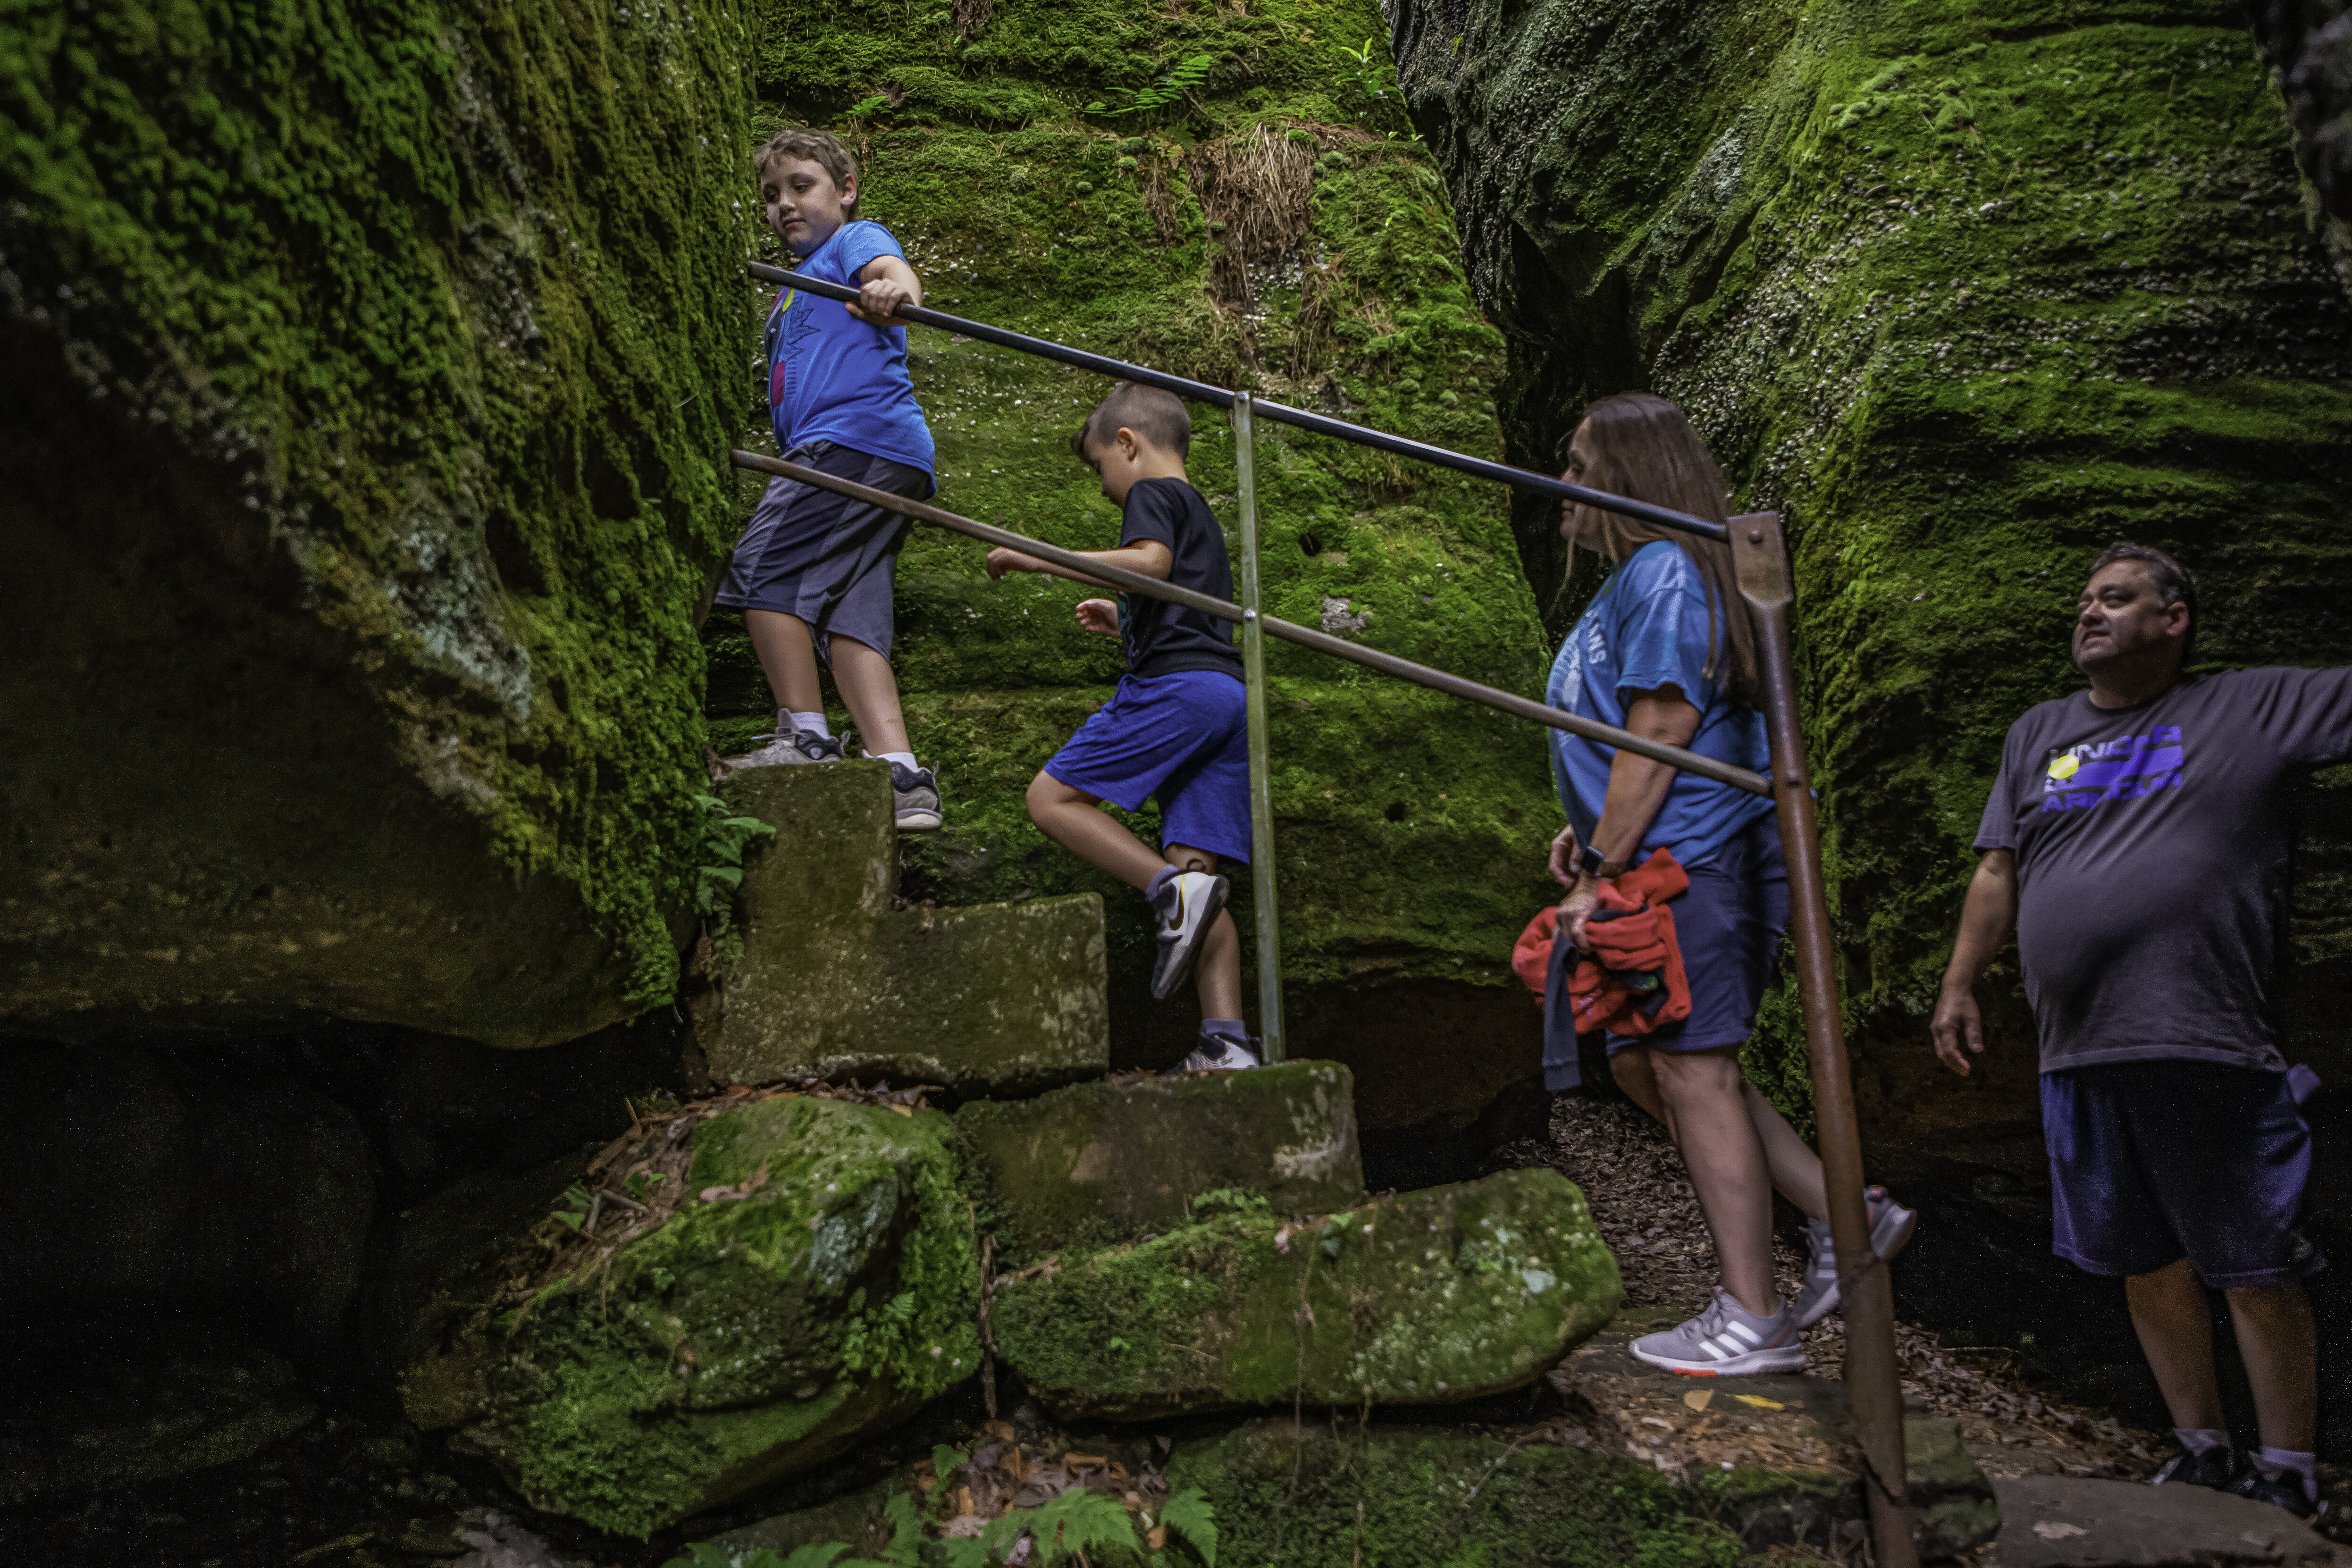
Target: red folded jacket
[{"x": 1630, "y": 979}]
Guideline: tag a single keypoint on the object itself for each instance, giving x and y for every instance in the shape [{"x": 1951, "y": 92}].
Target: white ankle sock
[
  {"x": 2197, "y": 1440},
  {"x": 2276, "y": 1462},
  {"x": 814, "y": 722},
  {"x": 904, "y": 760}
]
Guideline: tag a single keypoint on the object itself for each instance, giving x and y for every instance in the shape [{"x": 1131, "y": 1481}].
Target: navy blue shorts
[
  {"x": 1184, "y": 737},
  {"x": 823, "y": 556},
  {"x": 2151, "y": 1161}
]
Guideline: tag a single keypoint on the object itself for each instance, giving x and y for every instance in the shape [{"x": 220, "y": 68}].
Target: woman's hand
[
  {"x": 1563, "y": 857},
  {"x": 1099, "y": 615},
  {"x": 1577, "y": 908}
]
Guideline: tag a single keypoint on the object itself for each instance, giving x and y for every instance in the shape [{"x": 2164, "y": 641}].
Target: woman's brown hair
[{"x": 1640, "y": 446}]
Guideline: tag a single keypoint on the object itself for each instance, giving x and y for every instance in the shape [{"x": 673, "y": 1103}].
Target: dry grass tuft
[{"x": 1261, "y": 186}]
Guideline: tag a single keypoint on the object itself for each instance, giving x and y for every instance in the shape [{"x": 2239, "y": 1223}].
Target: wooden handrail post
[{"x": 1873, "y": 1384}]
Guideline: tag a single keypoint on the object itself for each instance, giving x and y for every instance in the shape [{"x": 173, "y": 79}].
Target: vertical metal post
[
  {"x": 1874, "y": 1383},
  {"x": 1269, "y": 925}
]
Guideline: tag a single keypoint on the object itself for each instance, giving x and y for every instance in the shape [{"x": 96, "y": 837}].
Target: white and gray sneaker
[
  {"x": 1187, "y": 905},
  {"x": 1220, "y": 1053},
  {"x": 1726, "y": 1341},
  {"x": 1891, "y": 1225},
  {"x": 914, "y": 793},
  {"x": 786, "y": 745}
]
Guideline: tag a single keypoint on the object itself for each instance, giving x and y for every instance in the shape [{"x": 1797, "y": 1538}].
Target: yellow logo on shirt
[{"x": 2065, "y": 766}]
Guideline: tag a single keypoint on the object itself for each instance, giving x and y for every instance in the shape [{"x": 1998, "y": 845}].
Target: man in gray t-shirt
[{"x": 2138, "y": 835}]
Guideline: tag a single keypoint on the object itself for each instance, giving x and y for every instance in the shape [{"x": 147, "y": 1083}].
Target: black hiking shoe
[
  {"x": 2286, "y": 1493},
  {"x": 2217, "y": 1469}
]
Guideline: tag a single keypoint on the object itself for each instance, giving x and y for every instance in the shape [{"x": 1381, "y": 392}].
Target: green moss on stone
[
  {"x": 417, "y": 324},
  {"x": 835, "y": 1297},
  {"x": 1427, "y": 1297},
  {"x": 1097, "y": 1164},
  {"x": 1309, "y": 1497}
]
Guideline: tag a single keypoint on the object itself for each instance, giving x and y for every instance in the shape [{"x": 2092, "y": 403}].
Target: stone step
[
  {"x": 1427, "y": 1297},
  {"x": 833, "y": 981},
  {"x": 1098, "y": 1164},
  {"x": 2064, "y": 1522}
]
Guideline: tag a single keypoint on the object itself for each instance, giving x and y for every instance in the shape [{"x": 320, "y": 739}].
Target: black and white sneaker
[
  {"x": 1187, "y": 905},
  {"x": 2282, "y": 1490},
  {"x": 916, "y": 797},
  {"x": 1220, "y": 1053},
  {"x": 2221, "y": 1468},
  {"x": 785, "y": 746}
]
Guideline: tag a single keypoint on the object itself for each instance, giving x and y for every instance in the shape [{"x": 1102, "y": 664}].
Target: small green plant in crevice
[
  {"x": 572, "y": 1207},
  {"x": 1375, "y": 78},
  {"x": 1063, "y": 1530},
  {"x": 1227, "y": 1200},
  {"x": 1188, "y": 75},
  {"x": 721, "y": 851},
  {"x": 865, "y": 109}
]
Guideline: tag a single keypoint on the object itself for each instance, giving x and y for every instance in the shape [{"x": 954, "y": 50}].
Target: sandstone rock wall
[
  {"x": 367, "y": 371},
  {"x": 1968, "y": 292}
]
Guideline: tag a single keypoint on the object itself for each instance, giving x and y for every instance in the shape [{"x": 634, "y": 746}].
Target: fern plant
[
  {"x": 721, "y": 851},
  {"x": 1188, "y": 75}
]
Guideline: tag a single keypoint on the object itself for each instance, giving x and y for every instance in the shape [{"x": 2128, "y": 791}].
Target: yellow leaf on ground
[
  {"x": 904, "y": 1110},
  {"x": 1698, "y": 1399},
  {"x": 1758, "y": 1402}
]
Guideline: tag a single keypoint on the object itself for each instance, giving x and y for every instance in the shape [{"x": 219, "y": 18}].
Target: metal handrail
[
  {"x": 1289, "y": 631},
  {"x": 1282, "y": 413}
]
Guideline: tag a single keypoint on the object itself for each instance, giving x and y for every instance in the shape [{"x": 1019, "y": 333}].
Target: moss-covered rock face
[
  {"x": 1428, "y": 1297},
  {"x": 2310, "y": 47},
  {"x": 1312, "y": 1497},
  {"x": 832, "y": 980},
  {"x": 827, "y": 1286},
  {"x": 1259, "y": 229},
  {"x": 358, "y": 480},
  {"x": 1097, "y": 1164},
  {"x": 1968, "y": 290}
]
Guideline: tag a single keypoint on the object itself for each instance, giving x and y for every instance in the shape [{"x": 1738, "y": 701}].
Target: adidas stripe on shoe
[
  {"x": 1891, "y": 1225},
  {"x": 1726, "y": 1341}
]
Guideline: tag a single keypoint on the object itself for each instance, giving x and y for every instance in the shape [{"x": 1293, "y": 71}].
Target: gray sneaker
[
  {"x": 1891, "y": 1225},
  {"x": 785, "y": 746},
  {"x": 916, "y": 794},
  {"x": 1187, "y": 906},
  {"x": 1726, "y": 1341},
  {"x": 1220, "y": 1053}
]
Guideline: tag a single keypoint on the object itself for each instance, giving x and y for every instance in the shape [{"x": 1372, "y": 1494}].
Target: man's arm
[
  {"x": 1985, "y": 921},
  {"x": 1148, "y": 556},
  {"x": 885, "y": 283}
]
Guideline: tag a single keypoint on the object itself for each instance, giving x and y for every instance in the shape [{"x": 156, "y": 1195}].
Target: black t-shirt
[
  {"x": 2152, "y": 846},
  {"x": 1162, "y": 638}
]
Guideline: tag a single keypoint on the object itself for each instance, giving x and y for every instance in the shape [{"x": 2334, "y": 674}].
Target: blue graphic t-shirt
[
  {"x": 2152, "y": 846},
  {"x": 832, "y": 377},
  {"x": 1647, "y": 627}
]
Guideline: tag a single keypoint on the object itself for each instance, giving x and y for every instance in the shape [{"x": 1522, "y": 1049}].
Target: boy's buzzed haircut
[
  {"x": 812, "y": 147},
  {"x": 1157, "y": 416}
]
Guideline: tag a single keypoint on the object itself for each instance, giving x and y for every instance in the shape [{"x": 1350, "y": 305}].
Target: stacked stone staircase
[{"x": 1129, "y": 1247}]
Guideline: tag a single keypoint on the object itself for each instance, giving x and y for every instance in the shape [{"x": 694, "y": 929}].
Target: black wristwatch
[{"x": 1591, "y": 860}]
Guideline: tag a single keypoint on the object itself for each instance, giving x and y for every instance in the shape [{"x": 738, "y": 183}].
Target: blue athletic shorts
[
  {"x": 2154, "y": 1161},
  {"x": 1183, "y": 738}
]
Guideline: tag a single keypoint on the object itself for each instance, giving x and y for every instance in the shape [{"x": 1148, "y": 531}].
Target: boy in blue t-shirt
[
  {"x": 1175, "y": 729},
  {"x": 813, "y": 570}
]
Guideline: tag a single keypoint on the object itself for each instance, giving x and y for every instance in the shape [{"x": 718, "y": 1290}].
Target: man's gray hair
[{"x": 2174, "y": 585}]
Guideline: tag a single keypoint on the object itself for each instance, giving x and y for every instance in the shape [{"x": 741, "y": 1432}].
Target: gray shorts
[{"x": 821, "y": 557}]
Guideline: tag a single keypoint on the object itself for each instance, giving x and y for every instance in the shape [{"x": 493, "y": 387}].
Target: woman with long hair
[{"x": 1667, "y": 650}]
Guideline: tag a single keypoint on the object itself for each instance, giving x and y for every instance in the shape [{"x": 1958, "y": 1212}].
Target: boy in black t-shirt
[{"x": 1175, "y": 728}]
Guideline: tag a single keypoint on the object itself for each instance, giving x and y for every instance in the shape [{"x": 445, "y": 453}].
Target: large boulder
[
  {"x": 1424, "y": 1298},
  {"x": 833, "y": 980},
  {"x": 820, "y": 1280},
  {"x": 357, "y": 483},
  {"x": 1097, "y": 1164}
]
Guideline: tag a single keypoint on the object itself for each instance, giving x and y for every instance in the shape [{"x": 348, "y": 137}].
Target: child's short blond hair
[{"x": 812, "y": 147}]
